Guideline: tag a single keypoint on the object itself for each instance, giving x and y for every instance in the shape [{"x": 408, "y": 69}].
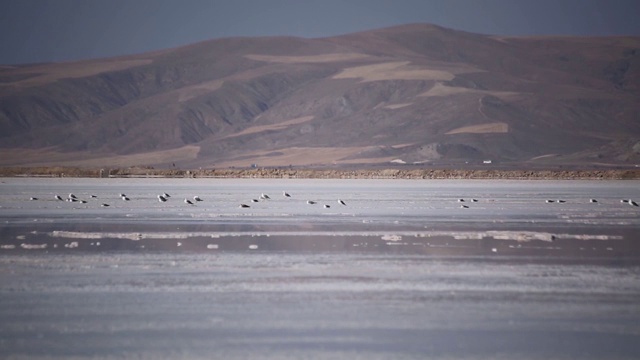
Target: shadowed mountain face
[{"x": 408, "y": 94}]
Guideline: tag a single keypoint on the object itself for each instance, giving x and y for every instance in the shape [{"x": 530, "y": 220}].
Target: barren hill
[{"x": 409, "y": 94}]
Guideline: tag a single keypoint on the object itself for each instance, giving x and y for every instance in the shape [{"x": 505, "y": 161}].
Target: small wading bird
[
  {"x": 593, "y": 200},
  {"x": 162, "y": 198},
  {"x": 341, "y": 202},
  {"x": 165, "y": 195},
  {"x": 104, "y": 205},
  {"x": 633, "y": 203},
  {"x": 58, "y": 197},
  {"x": 310, "y": 202},
  {"x": 327, "y": 206},
  {"x": 264, "y": 196},
  {"x": 33, "y": 198},
  {"x": 187, "y": 201},
  {"x": 197, "y": 198},
  {"x": 125, "y": 198},
  {"x": 285, "y": 194},
  {"x": 244, "y": 206}
]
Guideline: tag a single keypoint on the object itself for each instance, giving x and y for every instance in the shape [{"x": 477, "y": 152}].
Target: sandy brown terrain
[{"x": 481, "y": 129}]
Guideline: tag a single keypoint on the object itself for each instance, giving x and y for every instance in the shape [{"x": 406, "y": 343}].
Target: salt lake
[{"x": 409, "y": 269}]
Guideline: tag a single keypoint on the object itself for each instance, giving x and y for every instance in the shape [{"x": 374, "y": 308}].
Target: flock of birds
[
  {"x": 559, "y": 201},
  {"x": 624, "y": 201},
  {"x": 164, "y": 197},
  {"x": 263, "y": 197}
]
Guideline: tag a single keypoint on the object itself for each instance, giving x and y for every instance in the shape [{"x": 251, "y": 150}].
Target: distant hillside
[{"x": 415, "y": 94}]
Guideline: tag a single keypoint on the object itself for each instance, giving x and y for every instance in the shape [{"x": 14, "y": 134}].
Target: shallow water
[
  {"x": 313, "y": 305},
  {"x": 401, "y": 271}
]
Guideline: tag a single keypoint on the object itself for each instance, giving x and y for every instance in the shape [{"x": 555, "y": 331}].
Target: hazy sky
[{"x": 59, "y": 30}]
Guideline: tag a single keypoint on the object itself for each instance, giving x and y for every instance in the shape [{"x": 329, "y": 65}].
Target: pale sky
[{"x": 61, "y": 30}]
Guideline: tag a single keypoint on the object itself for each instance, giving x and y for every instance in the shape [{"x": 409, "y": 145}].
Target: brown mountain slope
[{"x": 407, "y": 94}]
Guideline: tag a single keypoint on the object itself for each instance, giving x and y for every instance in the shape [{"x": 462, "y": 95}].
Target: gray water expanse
[{"x": 404, "y": 270}]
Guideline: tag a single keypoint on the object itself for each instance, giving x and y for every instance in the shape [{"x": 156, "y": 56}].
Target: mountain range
[{"x": 415, "y": 94}]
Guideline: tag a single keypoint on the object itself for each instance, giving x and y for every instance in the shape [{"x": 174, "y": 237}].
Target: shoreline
[{"x": 309, "y": 173}]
